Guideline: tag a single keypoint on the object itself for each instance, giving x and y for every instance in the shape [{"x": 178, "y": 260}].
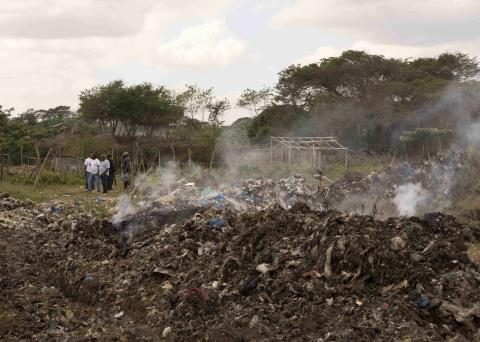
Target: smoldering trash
[{"x": 263, "y": 260}]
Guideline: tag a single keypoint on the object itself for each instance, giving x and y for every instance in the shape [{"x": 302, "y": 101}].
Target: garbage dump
[
  {"x": 236, "y": 275},
  {"x": 428, "y": 183}
]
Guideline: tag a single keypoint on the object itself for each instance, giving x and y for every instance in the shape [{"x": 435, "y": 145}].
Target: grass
[
  {"x": 333, "y": 170},
  {"x": 103, "y": 204}
]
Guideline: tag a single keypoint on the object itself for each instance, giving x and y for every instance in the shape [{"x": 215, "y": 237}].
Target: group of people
[{"x": 100, "y": 173}]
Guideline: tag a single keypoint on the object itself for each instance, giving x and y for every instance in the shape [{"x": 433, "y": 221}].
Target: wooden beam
[{"x": 41, "y": 169}]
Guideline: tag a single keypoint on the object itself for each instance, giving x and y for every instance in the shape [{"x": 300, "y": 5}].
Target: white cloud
[
  {"x": 44, "y": 66},
  {"x": 387, "y": 21},
  {"x": 205, "y": 45},
  {"x": 49, "y": 19},
  {"x": 321, "y": 52}
]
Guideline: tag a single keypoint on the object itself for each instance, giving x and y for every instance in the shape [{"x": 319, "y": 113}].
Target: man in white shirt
[
  {"x": 87, "y": 164},
  {"x": 94, "y": 172},
  {"x": 104, "y": 170}
]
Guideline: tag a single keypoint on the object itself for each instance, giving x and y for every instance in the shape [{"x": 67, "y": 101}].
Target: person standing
[
  {"x": 111, "y": 172},
  {"x": 88, "y": 163},
  {"x": 94, "y": 172},
  {"x": 125, "y": 169},
  {"x": 104, "y": 172}
]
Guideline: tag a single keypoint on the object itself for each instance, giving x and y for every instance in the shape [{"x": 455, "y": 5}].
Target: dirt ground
[{"x": 273, "y": 275}]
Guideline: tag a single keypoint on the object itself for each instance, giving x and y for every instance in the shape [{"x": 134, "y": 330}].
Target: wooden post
[
  {"x": 314, "y": 155},
  {"x": 346, "y": 158},
  {"x": 271, "y": 151},
  {"x": 21, "y": 154},
  {"x": 1, "y": 168},
  {"x": 173, "y": 152},
  {"x": 289, "y": 156},
  {"x": 189, "y": 158},
  {"x": 41, "y": 169},
  {"x": 159, "y": 158},
  {"x": 320, "y": 161},
  {"x": 213, "y": 155},
  {"x": 132, "y": 162},
  {"x": 143, "y": 160}
]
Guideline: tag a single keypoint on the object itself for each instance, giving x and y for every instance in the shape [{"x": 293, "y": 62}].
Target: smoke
[
  {"x": 472, "y": 133},
  {"x": 408, "y": 197},
  {"x": 124, "y": 208},
  {"x": 168, "y": 175}
]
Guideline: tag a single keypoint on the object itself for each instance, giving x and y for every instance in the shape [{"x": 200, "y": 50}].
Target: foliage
[
  {"x": 275, "y": 120},
  {"x": 256, "y": 100},
  {"x": 430, "y": 138},
  {"x": 237, "y": 133},
  {"x": 28, "y": 130},
  {"x": 128, "y": 110},
  {"x": 366, "y": 100},
  {"x": 363, "y": 99}
]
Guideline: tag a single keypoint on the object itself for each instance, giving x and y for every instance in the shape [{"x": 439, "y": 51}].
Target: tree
[
  {"x": 196, "y": 101},
  {"x": 128, "y": 110},
  {"x": 105, "y": 104},
  {"x": 158, "y": 109},
  {"x": 216, "y": 111},
  {"x": 255, "y": 100},
  {"x": 5, "y": 114}
]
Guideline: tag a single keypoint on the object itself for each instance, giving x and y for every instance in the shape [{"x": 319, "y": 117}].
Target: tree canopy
[{"x": 367, "y": 99}]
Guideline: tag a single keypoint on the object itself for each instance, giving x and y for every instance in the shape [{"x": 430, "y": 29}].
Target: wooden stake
[
  {"x": 1, "y": 169},
  {"x": 41, "y": 169},
  {"x": 173, "y": 152},
  {"x": 213, "y": 155},
  {"x": 271, "y": 151}
]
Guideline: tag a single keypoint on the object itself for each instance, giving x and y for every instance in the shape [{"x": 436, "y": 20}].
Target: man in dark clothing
[
  {"x": 111, "y": 176},
  {"x": 125, "y": 169},
  {"x": 104, "y": 169}
]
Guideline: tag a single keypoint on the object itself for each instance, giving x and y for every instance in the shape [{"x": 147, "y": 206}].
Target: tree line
[{"x": 368, "y": 101}]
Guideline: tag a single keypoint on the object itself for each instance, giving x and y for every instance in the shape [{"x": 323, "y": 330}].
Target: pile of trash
[
  {"x": 434, "y": 177},
  {"x": 183, "y": 198},
  {"x": 268, "y": 275}
]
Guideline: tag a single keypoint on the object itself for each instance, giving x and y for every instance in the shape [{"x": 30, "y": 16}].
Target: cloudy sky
[{"x": 52, "y": 49}]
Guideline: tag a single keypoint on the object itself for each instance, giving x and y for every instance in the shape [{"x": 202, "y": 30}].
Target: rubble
[
  {"x": 266, "y": 275},
  {"x": 361, "y": 194}
]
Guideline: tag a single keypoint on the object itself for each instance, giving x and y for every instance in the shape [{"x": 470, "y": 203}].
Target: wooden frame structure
[
  {"x": 304, "y": 149},
  {"x": 313, "y": 151}
]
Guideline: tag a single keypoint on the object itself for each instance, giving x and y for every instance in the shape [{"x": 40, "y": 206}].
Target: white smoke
[
  {"x": 168, "y": 175},
  {"x": 408, "y": 197},
  {"x": 472, "y": 133},
  {"x": 124, "y": 208}
]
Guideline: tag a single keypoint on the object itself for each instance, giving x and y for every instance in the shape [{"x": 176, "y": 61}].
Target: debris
[
  {"x": 253, "y": 322},
  {"x": 423, "y": 301},
  {"x": 461, "y": 314},
  {"x": 274, "y": 274},
  {"x": 166, "y": 332},
  {"x": 216, "y": 222},
  {"x": 398, "y": 243},
  {"x": 264, "y": 268},
  {"x": 328, "y": 262},
  {"x": 250, "y": 285}
]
